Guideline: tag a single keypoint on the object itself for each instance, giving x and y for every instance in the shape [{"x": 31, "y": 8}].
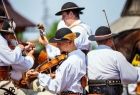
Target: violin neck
[{"x": 42, "y": 34}]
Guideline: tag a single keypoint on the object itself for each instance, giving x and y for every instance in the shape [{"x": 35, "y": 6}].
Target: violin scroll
[{"x": 42, "y": 30}]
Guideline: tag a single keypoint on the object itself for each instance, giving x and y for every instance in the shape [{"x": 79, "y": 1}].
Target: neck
[
  {"x": 72, "y": 49},
  {"x": 69, "y": 22}
]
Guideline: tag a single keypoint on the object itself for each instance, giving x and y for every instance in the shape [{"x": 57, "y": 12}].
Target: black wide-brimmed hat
[
  {"x": 6, "y": 28},
  {"x": 2, "y": 14},
  {"x": 69, "y": 6},
  {"x": 64, "y": 34},
  {"x": 102, "y": 33}
]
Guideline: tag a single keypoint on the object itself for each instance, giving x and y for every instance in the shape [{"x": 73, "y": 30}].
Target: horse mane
[{"x": 124, "y": 33}]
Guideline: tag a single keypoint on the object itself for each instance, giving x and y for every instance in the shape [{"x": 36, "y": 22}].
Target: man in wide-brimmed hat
[
  {"x": 70, "y": 13},
  {"x": 11, "y": 58},
  {"x": 108, "y": 69},
  {"x": 67, "y": 80}
]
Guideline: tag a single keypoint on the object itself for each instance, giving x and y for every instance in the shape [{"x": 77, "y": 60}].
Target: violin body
[
  {"x": 43, "y": 57},
  {"x": 44, "y": 67}
]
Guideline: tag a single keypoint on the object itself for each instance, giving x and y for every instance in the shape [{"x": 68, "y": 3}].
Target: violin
[
  {"x": 43, "y": 68},
  {"x": 46, "y": 66}
]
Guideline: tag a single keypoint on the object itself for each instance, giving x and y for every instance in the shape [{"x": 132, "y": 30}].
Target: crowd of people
[{"x": 85, "y": 71}]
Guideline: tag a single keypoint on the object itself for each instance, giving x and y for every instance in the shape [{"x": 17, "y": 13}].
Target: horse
[{"x": 128, "y": 43}]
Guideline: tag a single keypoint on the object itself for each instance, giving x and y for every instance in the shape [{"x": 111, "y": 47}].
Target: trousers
[
  {"x": 8, "y": 88},
  {"x": 106, "y": 90}
]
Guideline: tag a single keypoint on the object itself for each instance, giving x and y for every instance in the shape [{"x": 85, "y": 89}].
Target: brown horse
[{"x": 128, "y": 42}]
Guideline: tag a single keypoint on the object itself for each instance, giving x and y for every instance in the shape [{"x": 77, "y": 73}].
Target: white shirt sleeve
[
  {"x": 57, "y": 84},
  {"x": 14, "y": 58},
  {"x": 24, "y": 64},
  {"x": 8, "y": 56},
  {"x": 128, "y": 73},
  {"x": 52, "y": 51}
]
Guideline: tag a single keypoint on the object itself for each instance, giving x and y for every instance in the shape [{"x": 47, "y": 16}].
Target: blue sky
[{"x": 93, "y": 15}]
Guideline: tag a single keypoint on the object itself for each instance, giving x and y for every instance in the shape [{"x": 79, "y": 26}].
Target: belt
[
  {"x": 70, "y": 93},
  {"x": 4, "y": 73},
  {"x": 104, "y": 82}
]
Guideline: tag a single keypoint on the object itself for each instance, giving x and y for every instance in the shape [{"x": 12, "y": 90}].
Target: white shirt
[
  {"x": 105, "y": 63},
  {"x": 15, "y": 59},
  {"x": 61, "y": 24},
  {"x": 82, "y": 41},
  {"x": 68, "y": 74}
]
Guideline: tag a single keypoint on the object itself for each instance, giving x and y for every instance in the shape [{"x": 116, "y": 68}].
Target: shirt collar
[
  {"x": 75, "y": 23},
  {"x": 74, "y": 52},
  {"x": 103, "y": 47}
]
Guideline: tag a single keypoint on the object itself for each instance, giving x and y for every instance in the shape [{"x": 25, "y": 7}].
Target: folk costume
[{"x": 108, "y": 69}]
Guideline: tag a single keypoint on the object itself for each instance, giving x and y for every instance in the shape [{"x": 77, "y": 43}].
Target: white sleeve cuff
[{"x": 43, "y": 79}]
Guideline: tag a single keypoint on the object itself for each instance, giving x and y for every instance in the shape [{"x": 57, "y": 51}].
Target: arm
[
  {"x": 57, "y": 84},
  {"x": 9, "y": 56},
  {"x": 128, "y": 73},
  {"x": 23, "y": 66},
  {"x": 62, "y": 78},
  {"x": 52, "y": 50}
]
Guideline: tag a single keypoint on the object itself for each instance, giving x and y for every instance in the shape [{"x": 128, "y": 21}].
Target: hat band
[
  {"x": 103, "y": 35},
  {"x": 57, "y": 39},
  {"x": 2, "y": 17},
  {"x": 70, "y": 8}
]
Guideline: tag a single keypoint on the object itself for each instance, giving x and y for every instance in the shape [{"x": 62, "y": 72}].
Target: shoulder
[
  {"x": 83, "y": 27},
  {"x": 61, "y": 24},
  {"x": 119, "y": 54}
]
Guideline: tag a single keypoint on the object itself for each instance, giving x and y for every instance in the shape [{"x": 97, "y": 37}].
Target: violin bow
[
  {"x": 10, "y": 20},
  {"x": 106, "y": 19},
  {"x": 109, "y": 27}
]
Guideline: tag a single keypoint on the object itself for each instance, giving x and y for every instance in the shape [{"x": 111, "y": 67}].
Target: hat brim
[
  {"x": 3, "y": 17},
  {"x": 74, "y": 8},
  {"x": 55, "y": 40},
  {"x": 100, "y": 38},
  {"x": 6, "y": 31}
]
